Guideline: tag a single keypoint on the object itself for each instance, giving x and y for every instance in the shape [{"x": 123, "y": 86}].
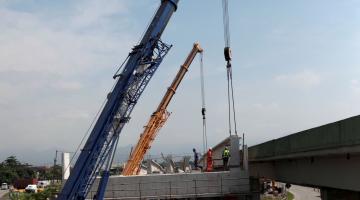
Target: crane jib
[
  {"x": 158, "y": 118},
  {"x": 137, "y": 72}
]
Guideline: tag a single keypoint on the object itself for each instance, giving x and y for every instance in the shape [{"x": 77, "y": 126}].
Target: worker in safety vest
[
  {"x": 209, "y": 160},
  {"x": 225, "y": 157}
]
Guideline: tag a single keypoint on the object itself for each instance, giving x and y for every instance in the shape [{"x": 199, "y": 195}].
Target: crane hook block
[
  {"x": 227, "y": 53},
  {"x": 203, "y": 110}
]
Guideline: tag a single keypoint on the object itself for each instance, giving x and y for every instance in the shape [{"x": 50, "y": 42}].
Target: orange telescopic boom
[{"x": 158, "y": 118}]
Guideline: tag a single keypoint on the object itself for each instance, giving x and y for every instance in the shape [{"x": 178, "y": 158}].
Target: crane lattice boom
[
  {"x": 158, "y": 118},
  {"x": 98, "y": 151}
]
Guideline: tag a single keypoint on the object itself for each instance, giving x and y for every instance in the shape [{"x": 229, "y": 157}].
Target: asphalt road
[
  {"x": 2, "y": 192},
  {"x": 304, "y": 193}
]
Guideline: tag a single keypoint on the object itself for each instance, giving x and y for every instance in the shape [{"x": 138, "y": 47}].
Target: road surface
[
  {"x": 304, "y": 193},
  {"x": 2, "y": 192}
]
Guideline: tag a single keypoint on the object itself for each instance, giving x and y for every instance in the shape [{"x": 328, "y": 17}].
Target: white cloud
[
  {"x": 303, "y": 79},
  {"x": 51, "y": 66},
  {"x": 68, "y": 85},
  {"x": 94, "y": 12},
  {"x": 266, "y": 107},
  {"x": 355, "y": 86},
  {"x": 45, "y": 51},
  {"x": 74, "y": 114},
  {"x": 7, "y": 93},
  {"x": 29, "y": 41}
]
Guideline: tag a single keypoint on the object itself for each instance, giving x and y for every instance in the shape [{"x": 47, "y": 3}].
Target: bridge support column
[
  {"x": 234, "y": 161},
  {"x": 338, "y": 194}
]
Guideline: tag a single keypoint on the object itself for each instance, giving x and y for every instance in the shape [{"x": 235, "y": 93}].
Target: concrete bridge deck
[
  {"x": 326, "y": 157},
  {"x": 341, "y": 137}
]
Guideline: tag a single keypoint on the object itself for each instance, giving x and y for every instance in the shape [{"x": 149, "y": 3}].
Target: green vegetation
[
  {"x": 11, "y": 170},
  {"x": 290, "y": 196},
  {"x": 48, "y": 193},
  {"x": 266, "y": 198},
  {"x": 51, "y": 173}
]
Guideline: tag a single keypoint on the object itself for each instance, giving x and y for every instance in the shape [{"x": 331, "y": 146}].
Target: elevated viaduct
[{"x": 326, "y": 157}]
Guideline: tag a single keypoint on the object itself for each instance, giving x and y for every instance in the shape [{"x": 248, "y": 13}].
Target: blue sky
[{"x": 296, "y": 66}]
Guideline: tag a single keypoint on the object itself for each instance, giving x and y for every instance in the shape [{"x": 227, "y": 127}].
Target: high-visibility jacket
[
  {"x": 209, "y": 166},
  {"x": 226, "y": 153}
]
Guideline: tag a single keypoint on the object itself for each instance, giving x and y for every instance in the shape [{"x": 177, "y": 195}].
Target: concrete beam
[
  {"x": 339, "y": 172},
  {"x": 326, "y": 157},
  {"x": 168, "y": 186}
]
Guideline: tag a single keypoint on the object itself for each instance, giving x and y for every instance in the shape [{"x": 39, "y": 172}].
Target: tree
[
  {"x": 11, "y": 161},
  {"x": 54, "y": 172},
  {"x": 11, "y": 170}
]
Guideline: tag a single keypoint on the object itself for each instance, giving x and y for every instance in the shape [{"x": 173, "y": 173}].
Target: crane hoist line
[
  {"x": 228, "y": 58},
  {"x": 203, "y": 106},
  {"x": 158, "y": 118}
]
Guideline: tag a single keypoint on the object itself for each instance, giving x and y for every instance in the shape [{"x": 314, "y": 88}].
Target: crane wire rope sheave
[
  {"x": 158, "y": 118},
  {"x": 227, "y": 55}
]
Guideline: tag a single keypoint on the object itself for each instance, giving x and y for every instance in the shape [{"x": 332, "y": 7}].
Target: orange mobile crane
[{"x": 158, "y": 118}]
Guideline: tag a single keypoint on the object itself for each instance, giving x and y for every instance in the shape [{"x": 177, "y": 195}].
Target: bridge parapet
[{"x": 335, "y": 138}]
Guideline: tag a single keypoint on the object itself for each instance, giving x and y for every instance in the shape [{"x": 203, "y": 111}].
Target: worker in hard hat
[
  {"x": 209, "y": 161},
  {"x": 225, "y": 157}
]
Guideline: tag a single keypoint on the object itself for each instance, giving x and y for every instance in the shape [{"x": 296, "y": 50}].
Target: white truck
[
  {"x": 43, "y": 184},
  {"x": 31, "y": 189},
  {"x": 4, "y": 186}
]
